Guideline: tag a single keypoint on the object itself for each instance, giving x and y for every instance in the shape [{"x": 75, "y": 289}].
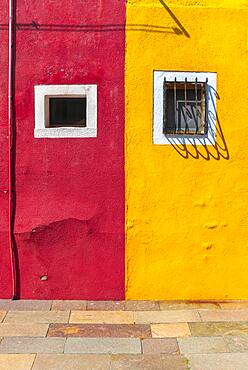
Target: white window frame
[
  {"x": 88, "y": 91},
  {"x": 159, "y": 137}
]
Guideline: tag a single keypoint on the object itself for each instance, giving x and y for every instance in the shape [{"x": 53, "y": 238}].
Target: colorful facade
[{"x": 118, "y": 216}]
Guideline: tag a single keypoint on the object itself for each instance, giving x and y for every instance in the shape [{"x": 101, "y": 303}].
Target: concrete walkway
[{"x": 63, "y": 335}]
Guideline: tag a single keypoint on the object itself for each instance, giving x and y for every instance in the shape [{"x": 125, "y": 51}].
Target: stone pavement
[{"x": 61, "y": 335}]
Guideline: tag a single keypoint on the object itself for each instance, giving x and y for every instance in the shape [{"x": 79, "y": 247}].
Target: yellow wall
[{"x": 187, "y": 218}]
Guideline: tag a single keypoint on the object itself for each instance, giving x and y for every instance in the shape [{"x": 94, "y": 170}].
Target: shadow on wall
[
  {"x": 176, "y": 20},
  {"x": 213, "y": 148},
  {"x": 179, "y": 30},
  {"x": 35, "y": 26}
]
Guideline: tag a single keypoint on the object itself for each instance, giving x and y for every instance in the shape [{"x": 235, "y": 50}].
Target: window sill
[
  {"x": 64, "y": 132},
  {"x": 204, "y": 140}
]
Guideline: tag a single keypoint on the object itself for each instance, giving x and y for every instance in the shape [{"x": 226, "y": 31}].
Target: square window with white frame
[
  {"x": 65, "y": 111},
  {"x": 184, "y": 108}
]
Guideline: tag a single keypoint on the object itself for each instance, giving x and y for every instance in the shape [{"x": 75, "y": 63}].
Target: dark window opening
[
  {"x": 67, "y": 111},
  {"x": 185, "y": 108}
]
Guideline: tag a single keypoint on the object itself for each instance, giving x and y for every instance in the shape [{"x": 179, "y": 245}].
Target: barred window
[{"x": 185, "y": 108}]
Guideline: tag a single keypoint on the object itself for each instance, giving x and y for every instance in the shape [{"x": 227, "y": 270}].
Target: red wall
[{"x": 70, "y": 192}]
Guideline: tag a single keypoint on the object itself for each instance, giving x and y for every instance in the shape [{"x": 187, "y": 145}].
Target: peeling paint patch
[
  {"x": 211, "y": 225},
  {"x": 207, "y": 245}
]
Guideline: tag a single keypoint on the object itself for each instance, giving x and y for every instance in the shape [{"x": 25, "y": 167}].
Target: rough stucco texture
[
  {"x": 186, "y": 207},
  {"x": 186, "y": 218},
  {"x": 191, "y": 3},
  {"x": 70, "y": 192}
]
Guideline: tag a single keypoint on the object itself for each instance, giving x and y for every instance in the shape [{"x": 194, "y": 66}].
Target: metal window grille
[{"x": 185, "y": 107}]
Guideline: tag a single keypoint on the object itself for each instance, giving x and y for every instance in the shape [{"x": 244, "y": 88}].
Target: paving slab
[
  {"x": 40, "y": 317},
  {"x": 166, "y": 305},
  {"x": 202, "y": 345},
  {"x": 208, "y": 329},
  {"x": 16, "y": 362},
  {"x": 224, "y": 315},
  {"x": 32, "y": 345},
  {"x": 221, "y": 361},
  {"x": 71, "y": 362},
  {"x": 105, "y": 305},
  {"x": 155, "y": 317},
  {"x": 102, "y": 345},
  {"x": 170, "y": 330},
  {"x": 101, "y": 317},
  {"x": 68, "y": 305},
  {"x": 24, "y": 305},
  {"x": 237, "y": 344},
  {"x": 234, "y": 305},
  {"x": 142, "y": 306},
  {"x": 148, "y": 362},
  {"x": 160, "y": 346},
  {"x": 23, "y": 330},
  {"x": 99, "y": 330}
]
